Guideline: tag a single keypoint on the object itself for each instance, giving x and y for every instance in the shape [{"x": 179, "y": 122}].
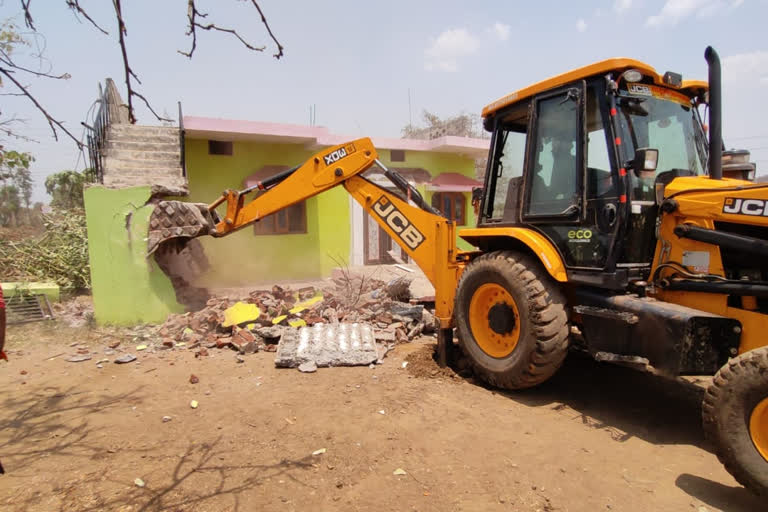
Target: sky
[{"x": 370, "y": 68}]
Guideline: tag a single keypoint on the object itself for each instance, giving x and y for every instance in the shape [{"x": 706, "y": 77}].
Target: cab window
[{"x": 553, "y": 187}]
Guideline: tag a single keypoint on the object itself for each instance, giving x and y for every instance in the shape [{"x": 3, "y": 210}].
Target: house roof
[
  {"x": 453, "y": 182},
  {"x": 317, "y": 137}
]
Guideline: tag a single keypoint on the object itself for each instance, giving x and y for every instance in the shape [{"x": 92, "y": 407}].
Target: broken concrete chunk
[
  {"x": 406, "y": 310},
  {"x": 308, "y": 367},
  {"x": 430, "y": 322},
  {"x": 327, "y": 345},
  {"x": 79, "y": 358},
  {"x": 270, "y": 333},
  {"x": 127, "y": 358},
  {"x": 383, "y": 335}
]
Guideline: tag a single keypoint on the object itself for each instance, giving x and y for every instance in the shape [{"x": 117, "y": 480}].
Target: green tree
[
  {"x": 14, "y": 168},
  {"x": 10, "y": 204},
  {"x": 66, "y": 188},
  {"x": 15, "y": 186}
]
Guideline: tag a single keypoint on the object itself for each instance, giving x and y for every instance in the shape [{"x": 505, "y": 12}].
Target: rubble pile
[
  {"x": 77, "y": 312},
  {"x": 257, "y": 322}
]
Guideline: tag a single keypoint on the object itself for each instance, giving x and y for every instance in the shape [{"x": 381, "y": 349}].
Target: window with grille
[{"x": 289, "y": 220}]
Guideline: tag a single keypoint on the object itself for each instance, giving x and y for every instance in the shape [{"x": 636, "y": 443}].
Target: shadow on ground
[
  {"x": 717, "y": 495},
  {"x": 50, "y": 422},
  {"x": 627, "y": 403},
  {"x": 198, "y": 479}
]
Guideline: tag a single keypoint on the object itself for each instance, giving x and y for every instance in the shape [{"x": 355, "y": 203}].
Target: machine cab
[{"x": 572, "y": 158}]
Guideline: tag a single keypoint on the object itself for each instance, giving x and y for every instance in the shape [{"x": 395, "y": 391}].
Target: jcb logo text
[
  {"x": 753, "y": 207},
  {"x": 407, "y": 232}
]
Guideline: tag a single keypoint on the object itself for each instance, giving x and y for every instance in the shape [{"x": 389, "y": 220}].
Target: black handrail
[
  {"x": 97, "y": 139},
  {"x": 181, "y": 143}
]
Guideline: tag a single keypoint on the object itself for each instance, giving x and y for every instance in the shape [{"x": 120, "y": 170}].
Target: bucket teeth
[{"x": 177, "y": 219}]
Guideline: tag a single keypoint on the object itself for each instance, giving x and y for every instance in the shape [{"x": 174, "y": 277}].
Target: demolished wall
[{"x": 128, "y": 288}]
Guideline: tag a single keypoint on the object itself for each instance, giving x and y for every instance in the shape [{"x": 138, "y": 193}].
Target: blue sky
[{"x": 356, "y": 61}]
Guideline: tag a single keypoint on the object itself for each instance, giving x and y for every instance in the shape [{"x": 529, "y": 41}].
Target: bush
[{"x": 59, "y": 255}]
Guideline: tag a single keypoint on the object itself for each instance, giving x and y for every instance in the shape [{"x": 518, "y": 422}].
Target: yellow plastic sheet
[{"x": 240, "y": 313}]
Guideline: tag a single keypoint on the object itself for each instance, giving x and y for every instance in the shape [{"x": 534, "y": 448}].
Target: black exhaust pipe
[{"x": 715, "y": 115}]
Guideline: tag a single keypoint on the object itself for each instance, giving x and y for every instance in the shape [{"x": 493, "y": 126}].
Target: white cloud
[
  {"x": 675, "y": 11},
  {"x": 445, "y": 51},
  {"x": 622, "y": 5},
  {"x": 581, "y": 25},
  {"x": 746, "y": 68},
  {"x": 500, "y": 30}
]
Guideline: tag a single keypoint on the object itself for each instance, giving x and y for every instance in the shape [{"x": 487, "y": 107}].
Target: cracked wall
[{"x": 128, "y": 287}]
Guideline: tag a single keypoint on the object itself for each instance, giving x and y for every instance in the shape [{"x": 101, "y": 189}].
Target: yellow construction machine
[{"x": 604, "y": 211}]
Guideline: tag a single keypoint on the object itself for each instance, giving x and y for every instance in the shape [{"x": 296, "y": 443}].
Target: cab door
[{"x": 567, "y": 199}]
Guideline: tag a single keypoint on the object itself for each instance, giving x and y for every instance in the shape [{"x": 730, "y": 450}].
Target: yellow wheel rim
[
  {"x": 494, "y": 320},
  {"x": 758, "y": 428}
]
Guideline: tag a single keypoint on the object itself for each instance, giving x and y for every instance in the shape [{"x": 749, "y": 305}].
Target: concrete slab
[{"x": 340, "y": 344}]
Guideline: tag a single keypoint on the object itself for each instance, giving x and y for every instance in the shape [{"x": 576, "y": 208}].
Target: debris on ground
[
  {"x": 258, "y": 321},
  {"x": 193, "y": 404},
  {"x": 193, "y": 379},
  {"x": 399, "y": 472},
  {"x": 339, "y": 344},
  {"x": 79, "y": 358},
  {"x": 139, "y": 482},
  {"x": 77, "y": 312},
  {"x": 267, "y": 317},
  {"x": 166, "y": 419},
  {"x": 308, "y": 367}
]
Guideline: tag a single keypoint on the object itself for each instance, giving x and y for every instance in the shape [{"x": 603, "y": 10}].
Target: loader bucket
[{"x": 178, "y": 220}]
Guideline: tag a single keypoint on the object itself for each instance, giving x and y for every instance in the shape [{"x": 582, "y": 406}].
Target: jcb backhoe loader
[{"x": 604, "y": 210}]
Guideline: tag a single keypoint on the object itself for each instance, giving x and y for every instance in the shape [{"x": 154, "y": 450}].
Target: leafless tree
[{"x": 16, "y": 73}]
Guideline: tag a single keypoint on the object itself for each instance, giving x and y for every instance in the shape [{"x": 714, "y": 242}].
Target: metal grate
[{"x": 23, "y": 308}]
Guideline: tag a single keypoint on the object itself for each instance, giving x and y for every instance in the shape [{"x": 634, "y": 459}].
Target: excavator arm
[{"x": 423, "y": 233}]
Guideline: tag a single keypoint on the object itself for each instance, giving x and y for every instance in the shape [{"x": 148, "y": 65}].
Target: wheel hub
[
  {"x": 494, "y": 320},
  {"x": 501, "y": 318},
  {"x": 758, "y": 427}
]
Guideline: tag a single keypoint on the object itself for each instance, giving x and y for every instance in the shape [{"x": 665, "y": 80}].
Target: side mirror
[{"x": 646, "y": 160}]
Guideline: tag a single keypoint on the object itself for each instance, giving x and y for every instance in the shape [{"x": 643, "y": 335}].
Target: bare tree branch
[
  {"x": 6, "y": 59},
  {"x": 6, "y": 128},
  {"x": 52, "y": 122},
  {"x": 264, "y": 21},
  {"x": 8, "y": 66},
  {"x": 193, "y": 14},
  {"x": 75, "y": 6},
  {"x": 27, "y": 15},
  {"x": 122, "y": 32}
]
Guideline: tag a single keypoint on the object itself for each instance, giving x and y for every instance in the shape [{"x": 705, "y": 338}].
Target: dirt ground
[{"x": 74, "y": 437}]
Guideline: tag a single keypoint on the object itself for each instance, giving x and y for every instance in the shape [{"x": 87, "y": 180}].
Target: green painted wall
[
  {"x": 128, "y": 287},
  {"x": 334, "y": 229}
]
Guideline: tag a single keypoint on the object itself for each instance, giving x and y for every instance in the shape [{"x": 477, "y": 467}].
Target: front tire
[
  {"x": 511, "y": 319},
  {"x": 735, "y": 418}
]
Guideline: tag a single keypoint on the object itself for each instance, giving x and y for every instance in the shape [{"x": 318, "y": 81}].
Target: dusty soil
[{"x": 74, "y": 437}]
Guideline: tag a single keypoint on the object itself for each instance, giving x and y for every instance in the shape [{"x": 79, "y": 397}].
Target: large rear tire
[
  {"x": 735, "y": 417},
  {"x": 511, "y": 319}
]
